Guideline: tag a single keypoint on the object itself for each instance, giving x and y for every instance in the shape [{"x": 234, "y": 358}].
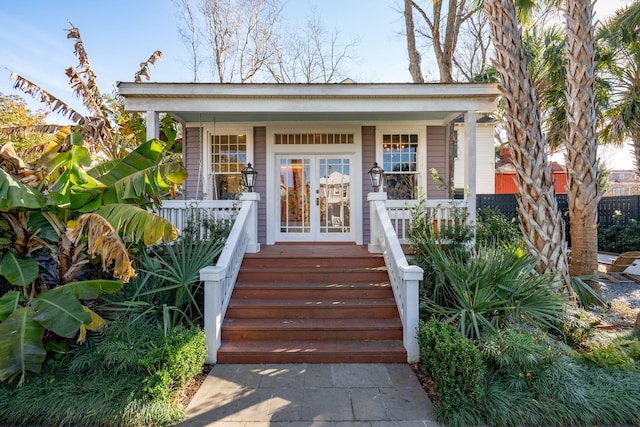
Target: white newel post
[
  {"x": 214, "y": 281},
  {"x": 375, "y": 228},
  {"x": 252, "y": 222},
  {"x": 412, "y": 275}
]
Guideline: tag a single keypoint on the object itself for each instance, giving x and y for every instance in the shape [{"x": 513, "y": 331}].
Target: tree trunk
[
  {"x": 581, "y": 160},
  {"x": 414, "y": 56},
  {"x": 540, "y": 219}
]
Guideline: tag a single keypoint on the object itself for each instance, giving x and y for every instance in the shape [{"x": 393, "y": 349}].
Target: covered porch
[{"x": 313, "y": 147}]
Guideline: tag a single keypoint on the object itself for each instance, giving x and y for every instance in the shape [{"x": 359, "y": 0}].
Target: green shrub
[
  {"x": 170, "y": 365},
  {"x": 492, "y": 228},
  {"x": 491, "y": 288},
  {"x": 456, "y": 367},
  {"x": 619, "y": 238}
]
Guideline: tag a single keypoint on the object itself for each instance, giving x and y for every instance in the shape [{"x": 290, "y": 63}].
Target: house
[
  {"x": 297, "y": 136},
  {"x": 313, "y": 146},
  {"x": 505, "y": 175},
  {"x": 623, "y": 183}
]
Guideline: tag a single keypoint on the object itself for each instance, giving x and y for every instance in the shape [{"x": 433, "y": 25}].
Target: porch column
[
  {"x": 153, "y": 125},
  {"x": 252, "y": 221},
  {"x": 470, "y": 120},
  {"x": 375, "y": 228}
]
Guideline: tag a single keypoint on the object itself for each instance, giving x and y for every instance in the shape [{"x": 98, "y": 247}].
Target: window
[
  {"x": 228, "y": 158},
  {"x": 400, "y": 164}
]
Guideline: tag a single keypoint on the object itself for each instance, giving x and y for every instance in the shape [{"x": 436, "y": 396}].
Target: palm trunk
[
  {"x": 582, "y": 164},
  {"x": 540, "y": 219}
]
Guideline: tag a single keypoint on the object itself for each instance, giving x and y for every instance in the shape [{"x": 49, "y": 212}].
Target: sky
[{"x": 119, "y": 34}]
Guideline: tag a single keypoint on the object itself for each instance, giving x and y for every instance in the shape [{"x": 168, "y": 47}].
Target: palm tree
[
  {"x": 540, "y": 218},
  {"x": 581, "y": 140},
  {"x": 619, "y": 46}
]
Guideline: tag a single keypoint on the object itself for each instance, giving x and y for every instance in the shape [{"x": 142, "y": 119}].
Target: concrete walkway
[{"x": 358, "y": 395}]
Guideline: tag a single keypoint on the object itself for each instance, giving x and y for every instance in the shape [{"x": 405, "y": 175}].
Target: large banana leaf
[
  {"x": 16, "y": 195},
  {"x": 60, "y": 311},
  {"x": 21, "y": 348},
  {"x": 74, "y": 188},
  {"x": 141, "y": 175},
  {"x": 9, "y": 304},
  {"x": 136, "y": 224},
  {"x": 92, "y": 289},
  {"x": 18, "y": 271}
]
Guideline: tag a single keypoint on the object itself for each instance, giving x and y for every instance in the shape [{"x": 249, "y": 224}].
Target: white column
[
  {"x": 375, "y": 228},
  {"x": 470, "y": 119},
  {"x": 252, "y": 221},
  {"x": 153, "y": 125}
]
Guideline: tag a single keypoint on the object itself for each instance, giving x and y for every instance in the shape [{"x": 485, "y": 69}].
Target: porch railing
[
  {"x": 196, "y": 214},
  {"x": 442, "y": 212},
  {"x": 404, "y": 277},
  {"x": 220, "y": 279}
]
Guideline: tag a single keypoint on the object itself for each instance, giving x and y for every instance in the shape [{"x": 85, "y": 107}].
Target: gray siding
[
  {"x": 191, "y": 155},
  {"x": 368, "y": 157},
  {"x": 260, "y": 164},
  {"x": 438, "y": 158}
]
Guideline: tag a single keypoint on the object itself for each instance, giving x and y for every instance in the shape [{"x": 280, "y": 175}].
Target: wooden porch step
[
  {"x": 312, "y": 352},
  {"x": 315, "y": 290},
  {"x": 314, "y": 261},
  {"x": 311, "y": 274},
  {"x": 316, "y": 303},
  {"x": 318, "y": 329},
  {"x": 309, "y": 308}
]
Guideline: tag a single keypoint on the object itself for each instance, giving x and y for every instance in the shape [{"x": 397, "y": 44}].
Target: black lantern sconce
[
  {"x": 249, "y": 177},
  {"x": 376, "y": 173}
]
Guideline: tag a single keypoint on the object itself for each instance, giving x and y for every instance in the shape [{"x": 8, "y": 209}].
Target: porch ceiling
[{"x": 204, "y": 102}]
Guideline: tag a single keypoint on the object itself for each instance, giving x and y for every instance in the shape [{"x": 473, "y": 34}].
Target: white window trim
[
  {"x": 421, "y": 161},
  {"x": 210, "y": 129}
]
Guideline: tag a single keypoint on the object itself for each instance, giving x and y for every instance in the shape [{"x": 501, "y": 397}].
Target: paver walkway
[{"x": 311, "y": 395}]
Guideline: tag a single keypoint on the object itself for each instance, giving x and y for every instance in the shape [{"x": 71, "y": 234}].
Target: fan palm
[{"x": 619, "y": 44}]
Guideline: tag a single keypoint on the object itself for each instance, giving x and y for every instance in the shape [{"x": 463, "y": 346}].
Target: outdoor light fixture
[
  {"x": 249, "y": 177},
  {"x": 376, "y": 173}
]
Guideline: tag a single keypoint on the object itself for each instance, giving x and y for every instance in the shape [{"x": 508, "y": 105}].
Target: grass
[
  {"x": 58, "y": 397},
  {"x": 123, "y": 377}
]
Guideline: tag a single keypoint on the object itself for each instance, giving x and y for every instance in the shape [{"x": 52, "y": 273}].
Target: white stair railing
[
  {"x": 404, "y": 278},
  {"x": 220, "y": 279}
]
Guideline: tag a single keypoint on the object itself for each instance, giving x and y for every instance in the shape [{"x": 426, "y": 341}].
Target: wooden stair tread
[
  {"x": 311, "y": 324},
  {"x": 330, "y": 285},
  {"x": 312, "y": 352},
  {"x": 312, "y": 303}
]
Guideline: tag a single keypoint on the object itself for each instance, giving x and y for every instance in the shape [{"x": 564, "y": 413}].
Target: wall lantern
[
  {"x": 376, "y": 173},
  {"x": 249, "y": 177}
]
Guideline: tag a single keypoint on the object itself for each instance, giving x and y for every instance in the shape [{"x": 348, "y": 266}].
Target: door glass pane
[
  {"x": 334, "y": 195},
  {"x": 295, "y": 187}
]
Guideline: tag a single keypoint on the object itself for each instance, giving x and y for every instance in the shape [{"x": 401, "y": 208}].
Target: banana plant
[{"x": 75, "y": 212}]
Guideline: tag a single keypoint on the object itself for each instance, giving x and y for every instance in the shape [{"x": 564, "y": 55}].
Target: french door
[{"x": 315, "y": 198}]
